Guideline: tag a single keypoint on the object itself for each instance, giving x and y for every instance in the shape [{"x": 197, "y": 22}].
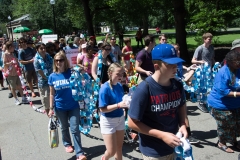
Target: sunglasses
[
  {"x": 59, "y": 60},
  {"x": 107, "y": 49}
]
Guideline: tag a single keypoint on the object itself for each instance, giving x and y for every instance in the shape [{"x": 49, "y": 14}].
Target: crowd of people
[{"x": 156, "y": 118}]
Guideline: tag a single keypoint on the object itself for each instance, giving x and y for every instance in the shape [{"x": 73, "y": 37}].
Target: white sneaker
[
  {"x": 17, "y": 102},
  {"x": 24, "y": 100}
]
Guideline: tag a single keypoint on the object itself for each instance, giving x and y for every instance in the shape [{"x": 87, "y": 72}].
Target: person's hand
[
  {"x": 148, "y": 73},
  {"x": 85, "y": 68},
  {"x": 171, "y": 139},
  {"x": 183, "y": 130},
  {"x": 107, "y": 35},
  {"x": 1, "y": 68},
  {"x": 122, "y": 105},
  {"x": 202, "y": 61},
  {"x": 50, "y": 113}
]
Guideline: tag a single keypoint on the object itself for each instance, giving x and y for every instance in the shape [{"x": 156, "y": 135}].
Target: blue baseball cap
[{"x": 166, "y": 53}]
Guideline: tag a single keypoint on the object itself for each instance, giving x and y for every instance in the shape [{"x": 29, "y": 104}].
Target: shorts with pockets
[{"x": 110, "y": 125}]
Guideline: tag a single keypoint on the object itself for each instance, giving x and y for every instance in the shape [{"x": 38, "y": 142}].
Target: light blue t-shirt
[
  {"x": 63, "y": 99},
  {"x": 108, "y": 96},
  {"x": 222, "y": 86}
]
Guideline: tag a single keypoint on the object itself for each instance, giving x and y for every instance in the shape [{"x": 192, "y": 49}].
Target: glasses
[
  {"x": 59, "y": 60},
  {"x": 164, "y": 39},
  {"x": 22, "y": 42},
  {"x": 107, "y": 49},
  {"x": 113, "y": 39}
]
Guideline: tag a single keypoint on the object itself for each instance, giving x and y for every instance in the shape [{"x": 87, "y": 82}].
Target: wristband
[
  {"x": 118, "y": 106},
  {"x": 51, "y": 108},
  {"x": 235, "y": 94}
]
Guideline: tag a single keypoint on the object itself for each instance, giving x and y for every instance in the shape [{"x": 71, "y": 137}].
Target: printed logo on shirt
[
  {"x": 61, "y": 84},
  {"x": 166, "y": 103}
]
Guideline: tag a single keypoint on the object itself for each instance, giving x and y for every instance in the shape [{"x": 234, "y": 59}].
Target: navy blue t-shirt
[
  {"x": 26, "y": 55},
  {"x": 108, "y": 96},
  {"x": 63, "y": 99},
  {"x": 157, "y": 107}
]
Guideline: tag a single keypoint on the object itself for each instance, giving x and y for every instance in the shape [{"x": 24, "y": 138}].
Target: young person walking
[
  {"x": 112, "y": 120},
  {"x": 161, "y": 111}
]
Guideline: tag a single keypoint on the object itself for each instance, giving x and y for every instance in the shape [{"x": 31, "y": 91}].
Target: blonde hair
[
  {"x": 111, "y": 69},
  {"x": 207, "y": 35},
  {"x": 66, "y": 63}
]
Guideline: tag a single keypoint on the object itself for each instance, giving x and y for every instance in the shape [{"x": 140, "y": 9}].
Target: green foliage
[
  {"x": 41, "y": 14},
  {"x": 6, "y": 10},
  {"x": 211, "y": 16}
]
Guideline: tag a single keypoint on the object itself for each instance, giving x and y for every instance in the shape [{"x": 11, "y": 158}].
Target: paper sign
[
  {"x": 49, "y": 38},
  {"x": 72, "y": 56}
]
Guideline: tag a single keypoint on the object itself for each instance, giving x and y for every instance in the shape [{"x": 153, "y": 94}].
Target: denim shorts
[{"x": 110, "y": 125}]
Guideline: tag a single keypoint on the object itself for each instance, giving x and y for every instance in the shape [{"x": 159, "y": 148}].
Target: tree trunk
[
  {"x": 145, "y": 24},
  {"x": 179, "y": 16},
  {"x": 88, "y": 17}
]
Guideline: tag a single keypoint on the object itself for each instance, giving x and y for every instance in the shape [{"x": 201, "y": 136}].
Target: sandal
[{"x": 224, "y": 148}]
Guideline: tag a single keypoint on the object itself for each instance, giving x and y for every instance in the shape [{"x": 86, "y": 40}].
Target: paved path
[{"x": 23, "y": 136}]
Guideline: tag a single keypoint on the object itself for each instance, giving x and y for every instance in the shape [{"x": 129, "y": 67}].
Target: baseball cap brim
[
  {"x": 174, "y": 60},
  {"x": 235, "y": 46}
]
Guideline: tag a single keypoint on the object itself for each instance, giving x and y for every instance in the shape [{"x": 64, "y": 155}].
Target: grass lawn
[{"x": 192, "y": 44}]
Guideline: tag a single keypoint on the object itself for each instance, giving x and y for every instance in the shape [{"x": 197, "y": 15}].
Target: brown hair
[
  {"x": 126, "y": 40},
  {"x": 111, "y": 69},
  {"x": 66, "y": 63},
  {"x": 105, "y": 44},
  {"x": 207, "y": 35},
  {"x": 9, "y": 44},
  {"x": 161, "y": 36}
]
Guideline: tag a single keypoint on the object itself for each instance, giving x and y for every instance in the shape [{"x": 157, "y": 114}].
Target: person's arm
[
  {"x": 106, "y": 38},
  {"x": 113, "y": 107},
  {"x": 169, "y": 138},
  {"x": 94, "y": 68},
  {"x": 140, "y": 70},
  {"x": 196, "y": 55},
  {"x": 51, "y": 101},
  {"x": 195, "y": 61}
]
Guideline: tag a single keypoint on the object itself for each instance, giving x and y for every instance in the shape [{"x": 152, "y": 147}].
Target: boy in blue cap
[{"x": 161, "y": 112}]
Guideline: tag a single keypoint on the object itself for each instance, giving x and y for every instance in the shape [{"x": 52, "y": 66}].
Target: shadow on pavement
[
  {"x": 128, "y": 148},
  {"x": 203, "y": 136},
  {"x": 37, "y": 102},
  {"x": 191, "y": 111}
]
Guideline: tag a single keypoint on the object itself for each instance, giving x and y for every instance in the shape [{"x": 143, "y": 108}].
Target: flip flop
[{"x": 223, "y": 148}]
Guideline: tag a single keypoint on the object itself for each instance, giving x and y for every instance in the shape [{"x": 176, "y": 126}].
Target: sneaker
[
  {"x": 24, "y": 100},
  {"x": 17, "y": 102},
  {"x": 193, "y": 140},
  {"x": 202, "y": 107},
  {"x": 10, "y": 95},
  {"x": 82, "y": 157},
  {"x": 69, "y": 149}
]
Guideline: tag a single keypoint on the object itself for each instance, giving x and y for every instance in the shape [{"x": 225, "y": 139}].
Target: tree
[
  {"x": 179, "y": 16},
  {"x": 41, "y": 14}
]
